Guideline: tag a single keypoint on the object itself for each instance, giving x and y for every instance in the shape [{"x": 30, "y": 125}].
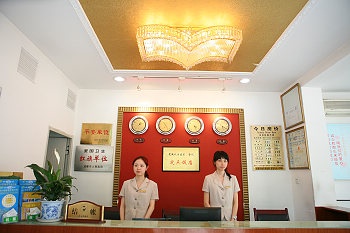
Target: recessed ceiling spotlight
[
  {"x": 244, "y": 80},
  {"x": 119, "y": 79}
]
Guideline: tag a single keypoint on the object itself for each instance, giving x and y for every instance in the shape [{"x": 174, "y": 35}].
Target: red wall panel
[{"x": 180, "y": 188}]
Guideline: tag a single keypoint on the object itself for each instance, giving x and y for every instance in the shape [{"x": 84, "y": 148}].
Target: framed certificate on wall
[
  {"x": 297, "y": 149},
  {"x": 292, "y": 107}
]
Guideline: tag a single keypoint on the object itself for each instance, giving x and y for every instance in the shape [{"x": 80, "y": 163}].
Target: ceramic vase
[{"x": 51, "y": 211}]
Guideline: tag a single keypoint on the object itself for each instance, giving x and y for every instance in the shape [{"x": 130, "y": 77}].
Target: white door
[{"x": 58, "y": 151}]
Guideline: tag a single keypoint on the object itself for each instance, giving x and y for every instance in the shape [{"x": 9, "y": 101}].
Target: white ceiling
[{"x": 314, "y": 50}]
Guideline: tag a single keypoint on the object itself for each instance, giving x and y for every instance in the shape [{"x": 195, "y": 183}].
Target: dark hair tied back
[{"x": 222, "y": 155}]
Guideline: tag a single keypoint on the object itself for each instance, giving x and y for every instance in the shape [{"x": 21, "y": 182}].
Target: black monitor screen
[{"x": 200, "y": 214}]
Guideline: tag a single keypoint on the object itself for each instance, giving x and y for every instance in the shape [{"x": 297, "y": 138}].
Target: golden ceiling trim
[{"x": 113, "y": 25}]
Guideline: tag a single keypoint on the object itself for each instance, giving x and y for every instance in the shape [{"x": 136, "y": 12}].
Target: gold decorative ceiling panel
[{"x": 262, "y": 22}]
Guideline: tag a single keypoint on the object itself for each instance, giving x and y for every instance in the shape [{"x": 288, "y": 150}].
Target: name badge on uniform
[
  {"x": 141, "y": 190},
  {"x": 227, "y": 187}
]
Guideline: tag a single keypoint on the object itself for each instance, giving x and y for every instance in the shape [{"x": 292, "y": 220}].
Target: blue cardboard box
[
  {"x": 28, "y": 199},
  {"x": 8, "y": 182},
  {"x": 27, "y": 193},
  {"x": 9, "y": 195},
  {"x": 27, "y": 182}
]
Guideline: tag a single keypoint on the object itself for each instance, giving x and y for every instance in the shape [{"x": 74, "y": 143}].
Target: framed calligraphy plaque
[
  {"x": 93, "y": 158},
  {"x": 292, "y": 107},
  {"x": 297, "y": 149},
  {"x": 267, "y": 149},
  {"x": 96, "y": 133},
  {"x": 181, "y": 159}
]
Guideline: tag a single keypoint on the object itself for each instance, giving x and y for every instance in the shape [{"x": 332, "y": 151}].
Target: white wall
[
  {"x": 27, "y": 109},
  {"x": 267, "y": 189},
  {"x": 316, "y": 129}
]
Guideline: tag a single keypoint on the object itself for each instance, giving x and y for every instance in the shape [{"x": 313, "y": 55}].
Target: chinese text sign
[
  {"x": 267, "y": 147},
  {"x": 96, "y": 134},
  {"x": 339, "y": 147},
  {"x": 180, "y": 158},
  {"x": 93, "y": 158}
]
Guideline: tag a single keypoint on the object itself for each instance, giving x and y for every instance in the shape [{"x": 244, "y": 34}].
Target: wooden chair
[{"x": 271, "y": 215}]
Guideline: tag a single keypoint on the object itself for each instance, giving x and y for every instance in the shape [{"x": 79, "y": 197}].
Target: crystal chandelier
[{"x": 188, "y": 47}]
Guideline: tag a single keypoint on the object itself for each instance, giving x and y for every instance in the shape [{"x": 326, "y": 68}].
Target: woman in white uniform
[
  {"x": 221, "y": 188},
  {"x": 139, "y": 194}
]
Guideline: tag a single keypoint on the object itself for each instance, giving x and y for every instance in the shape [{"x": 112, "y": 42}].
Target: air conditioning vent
[
  {"x": 71, "y": 99},
  {"x": 27, "y": 65},
  {"x": 340, "y": 108}
]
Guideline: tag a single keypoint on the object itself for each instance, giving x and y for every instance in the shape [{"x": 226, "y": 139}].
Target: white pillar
[{"x": 320, "y": 163}]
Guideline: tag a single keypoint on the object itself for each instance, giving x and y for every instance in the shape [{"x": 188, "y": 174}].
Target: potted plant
[{"x": 53, "y": 189}]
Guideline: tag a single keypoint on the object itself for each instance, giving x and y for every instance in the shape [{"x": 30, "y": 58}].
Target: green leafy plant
[{"x": 53, "y": 187}]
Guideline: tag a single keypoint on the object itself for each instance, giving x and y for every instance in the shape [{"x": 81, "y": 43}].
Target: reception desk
[
  {"x": 332, "y": 213},
  {"x": 117, "y": 226}
]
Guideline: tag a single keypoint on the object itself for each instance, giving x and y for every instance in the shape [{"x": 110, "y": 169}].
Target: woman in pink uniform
[
  {"x": 221, "y": 188},
  {"x": 139, "y": 194}
]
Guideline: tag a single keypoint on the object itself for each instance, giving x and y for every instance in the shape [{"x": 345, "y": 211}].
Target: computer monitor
[{"x": 200, "y": 213}]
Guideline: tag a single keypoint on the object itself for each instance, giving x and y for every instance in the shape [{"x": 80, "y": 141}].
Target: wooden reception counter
[
  {"x": 117, "y": 226},
  {"x": 332, "y": 213}
]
